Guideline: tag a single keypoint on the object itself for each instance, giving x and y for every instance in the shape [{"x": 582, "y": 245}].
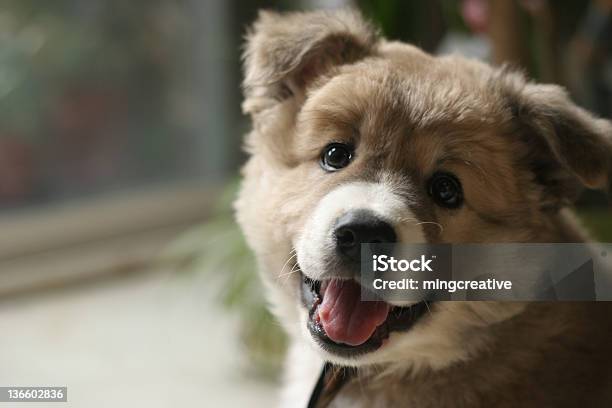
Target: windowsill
[
  {"x": 97, "y": 239},
  {"x": 54, "y": 227}
]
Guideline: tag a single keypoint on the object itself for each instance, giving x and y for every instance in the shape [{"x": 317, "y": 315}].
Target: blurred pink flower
[{"x": 476, "y": 14}]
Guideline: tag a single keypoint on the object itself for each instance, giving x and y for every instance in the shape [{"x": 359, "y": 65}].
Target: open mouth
[{"x": 345, "y": 325}]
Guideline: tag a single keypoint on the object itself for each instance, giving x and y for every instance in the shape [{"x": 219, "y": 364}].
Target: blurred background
[{"x": 122, "y": 274}]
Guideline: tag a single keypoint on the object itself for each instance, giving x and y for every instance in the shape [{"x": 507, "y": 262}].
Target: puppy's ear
[
  {"x": 286, "y": 52},
  {"x": 568, "y": 148}
]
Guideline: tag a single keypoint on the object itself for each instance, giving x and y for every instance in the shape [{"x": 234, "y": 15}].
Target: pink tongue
[{"x": 345, "y": 318}]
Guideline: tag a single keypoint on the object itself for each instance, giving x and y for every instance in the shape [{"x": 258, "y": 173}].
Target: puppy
[{"x": 354, "y": 132}]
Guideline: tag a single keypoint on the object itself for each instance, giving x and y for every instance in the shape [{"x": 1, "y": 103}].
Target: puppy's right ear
[
  {"x": 284, "y": 53},
  {"x": 568, "y": 148}
]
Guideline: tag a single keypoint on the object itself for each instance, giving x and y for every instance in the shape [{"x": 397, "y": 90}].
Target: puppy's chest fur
[{"x": 563, "y": 360}]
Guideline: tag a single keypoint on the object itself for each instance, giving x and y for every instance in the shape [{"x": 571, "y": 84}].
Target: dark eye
[
  {"x": 445, "y": 189},
  {"x": 336, "y": 156}
]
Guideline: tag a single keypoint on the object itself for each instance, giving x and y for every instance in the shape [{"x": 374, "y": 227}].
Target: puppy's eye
[
  {"x": 336, "y": 156},
  {"x": 445, "y": 189}
]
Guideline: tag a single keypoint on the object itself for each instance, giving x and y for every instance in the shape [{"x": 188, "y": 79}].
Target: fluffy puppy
[{"x": 358, "y": 139}]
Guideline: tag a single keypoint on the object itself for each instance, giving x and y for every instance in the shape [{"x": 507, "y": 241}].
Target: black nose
[{"x": 358, "y": 227}]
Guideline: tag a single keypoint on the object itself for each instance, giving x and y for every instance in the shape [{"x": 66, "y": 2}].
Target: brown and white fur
[{"x": 522, "y": 152}]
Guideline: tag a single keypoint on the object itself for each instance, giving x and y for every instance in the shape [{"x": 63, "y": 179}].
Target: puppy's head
[{"x": 356, "y": 139}]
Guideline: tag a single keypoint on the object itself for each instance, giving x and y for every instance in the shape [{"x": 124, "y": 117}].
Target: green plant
[
  {"x": 217, "y": 249},
  {"x": 599, "y": 222}
]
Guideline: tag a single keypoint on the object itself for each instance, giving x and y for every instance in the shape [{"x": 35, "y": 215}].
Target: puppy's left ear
[
  {"x": 285, "y": 53},
  {"x": 567, "y": 142}
]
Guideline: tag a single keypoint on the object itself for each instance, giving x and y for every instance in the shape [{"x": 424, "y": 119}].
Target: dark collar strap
[{"x": 330, "y": 381}]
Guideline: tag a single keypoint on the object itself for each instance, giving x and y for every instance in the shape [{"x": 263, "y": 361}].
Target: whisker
[
  {"x": 431, "y": 222},
  {"x": 407, "y": 219},
  {"x": 427, "y": 306},
  {"x": 294, "y": 269},
  {"x": 291, "y": 257}
]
